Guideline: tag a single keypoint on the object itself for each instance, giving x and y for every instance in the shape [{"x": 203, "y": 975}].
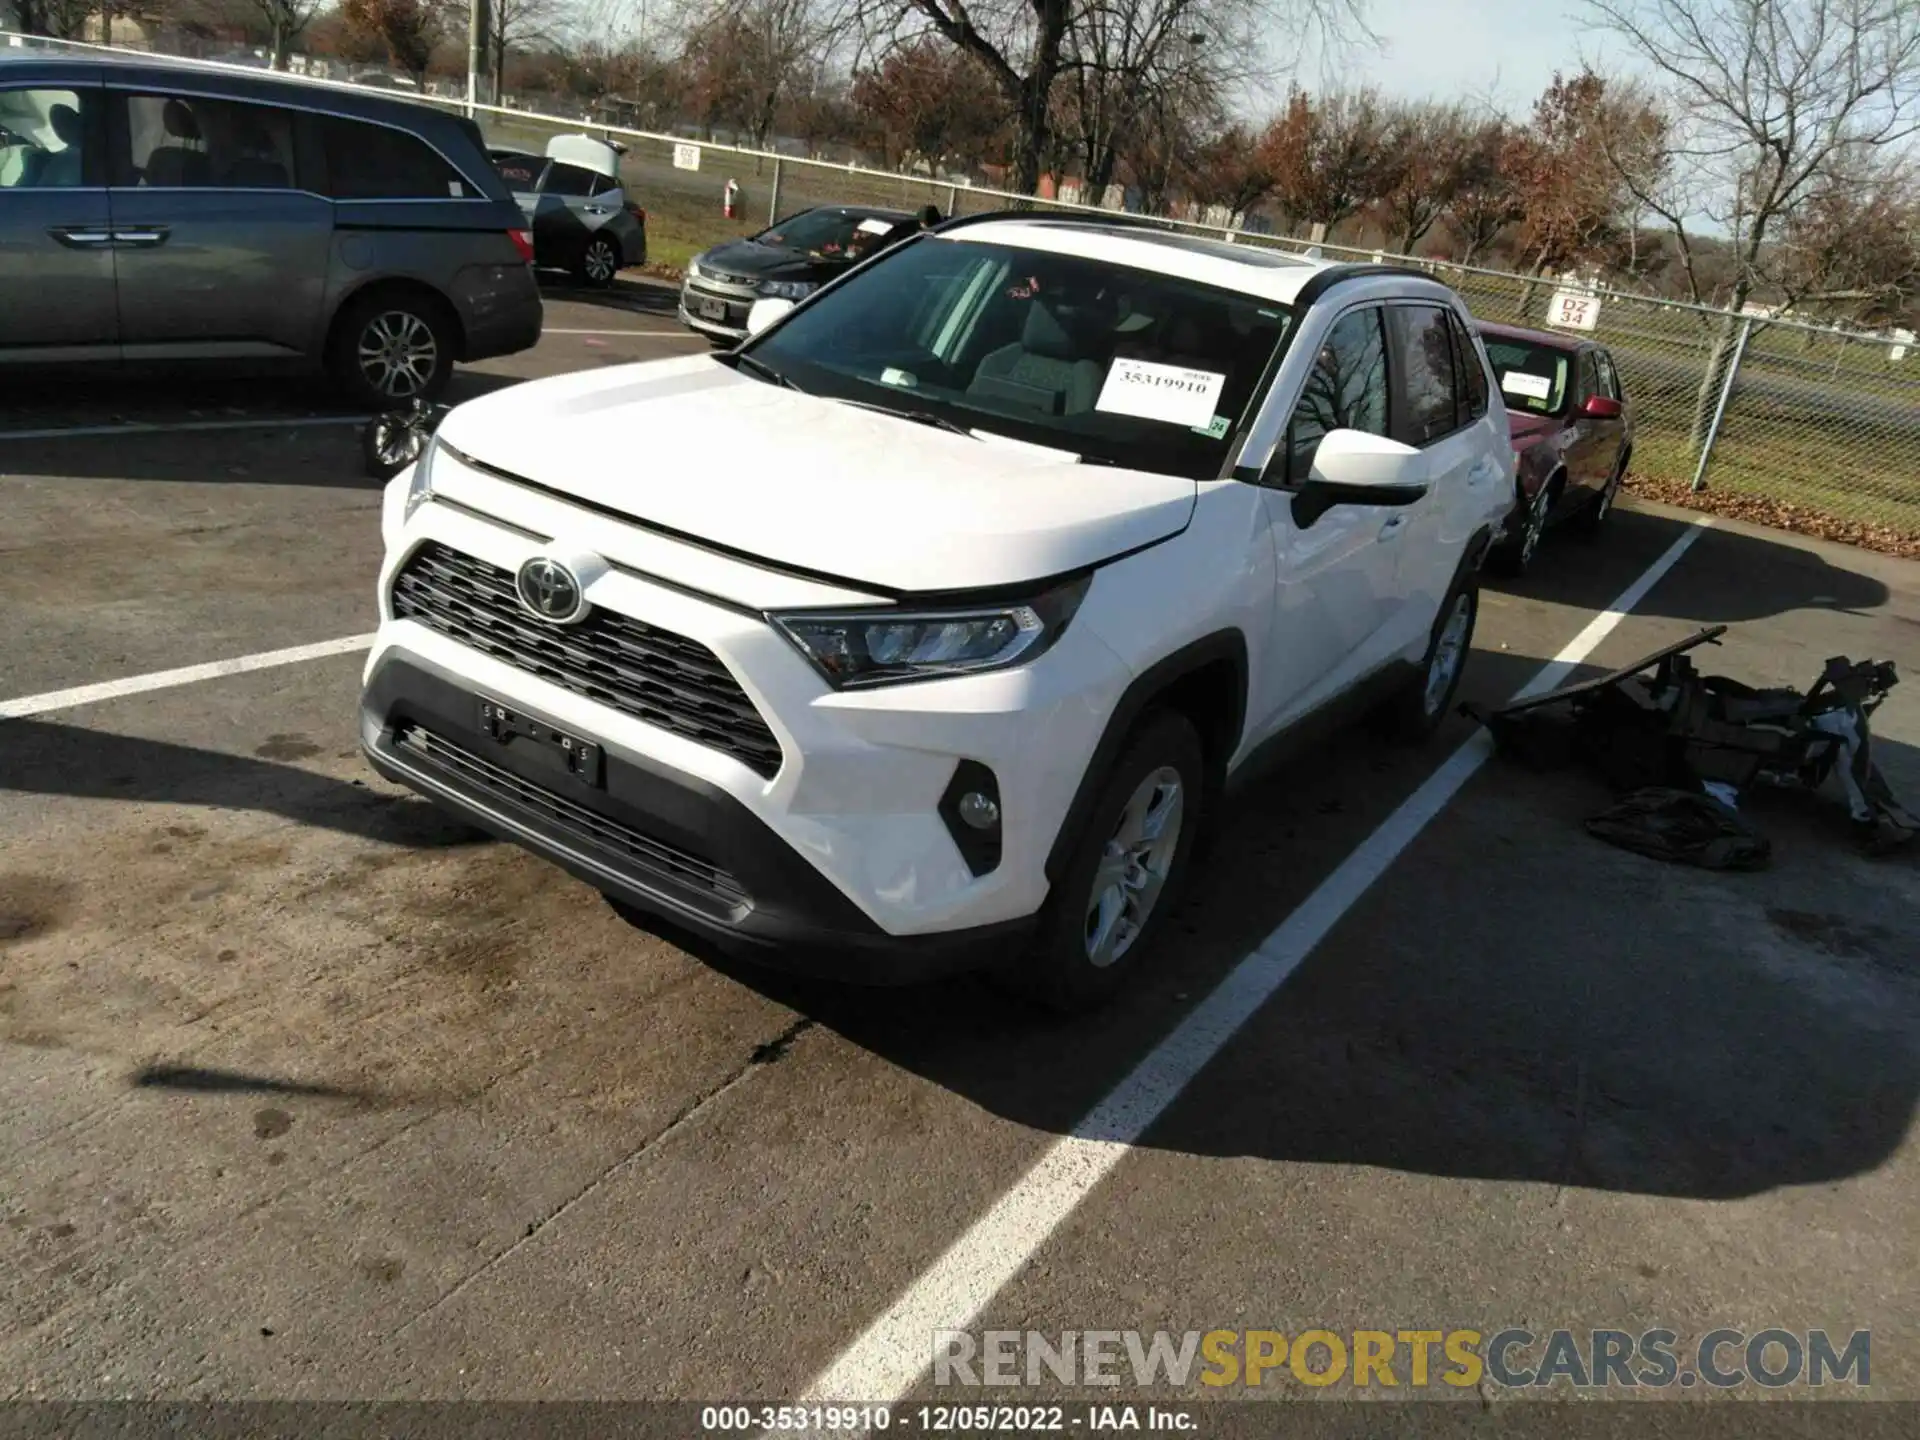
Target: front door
[
  {"x": 220, "y": 252},
  {"x": 1334, "y": 589},
  {"x": 56, "y": 233}
]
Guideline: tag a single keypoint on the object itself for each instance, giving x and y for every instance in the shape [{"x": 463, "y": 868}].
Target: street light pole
[{"x": 476, "y": 34}]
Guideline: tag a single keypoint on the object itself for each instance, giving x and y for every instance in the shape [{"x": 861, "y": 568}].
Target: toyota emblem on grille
[{"x": 550, "y": 591}]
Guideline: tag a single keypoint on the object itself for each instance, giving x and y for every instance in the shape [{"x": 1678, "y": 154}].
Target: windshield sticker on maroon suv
[
  {"x": 1533, "y": 387},
  {"x": 1172, "y": 393}
]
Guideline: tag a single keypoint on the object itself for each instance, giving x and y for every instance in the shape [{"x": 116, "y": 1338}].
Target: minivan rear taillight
[{"x": 523, "y": 242}]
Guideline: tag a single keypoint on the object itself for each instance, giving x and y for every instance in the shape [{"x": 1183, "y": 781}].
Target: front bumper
[{"x": 659, "y": 841}]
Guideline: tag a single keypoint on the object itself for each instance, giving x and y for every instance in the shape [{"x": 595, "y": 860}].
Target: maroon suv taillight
[{"x": 523, "y": 242}]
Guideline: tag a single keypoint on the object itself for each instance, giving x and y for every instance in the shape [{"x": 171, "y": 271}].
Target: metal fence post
[
  {"x": 953, "y": 201},
  {"x": 1720, "y": 409},
  {"x": 773, "y": 201}
]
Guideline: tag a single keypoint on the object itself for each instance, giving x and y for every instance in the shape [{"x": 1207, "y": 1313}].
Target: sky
[{"x": 1506, "y": 50}]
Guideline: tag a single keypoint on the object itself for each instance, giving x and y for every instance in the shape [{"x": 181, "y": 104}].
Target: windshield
[
  {"x": 828, "y": 233},
  {"x": 1533, "y": 377},
  {"x": 1118, "y": 366}
]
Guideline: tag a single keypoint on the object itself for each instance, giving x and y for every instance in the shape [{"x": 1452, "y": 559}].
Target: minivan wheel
[
  {"x": 392, "y": 349},
  {"x": 1124, "y": 874},
  {"x": 599, "y": 262},
  {"x": 1416, "y": 712}
]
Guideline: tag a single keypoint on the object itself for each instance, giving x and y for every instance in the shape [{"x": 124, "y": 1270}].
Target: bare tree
[
  {"x": 509, "y": 24},
  {"x": 409, "y": 28},
  {"x": 1330, "y": 156},
  {"x": 929, "y": 101},
  {"x": 1228, "y": 169},
  {"x": 743, "y": 59},
  {"x": 1487, "y": 198},
  {"x": 1431, "y": 155},
  {"x": 285, "y": 20},
  {"x": 1852, "y": 251},
  {"x": 1771, "y": 99}
]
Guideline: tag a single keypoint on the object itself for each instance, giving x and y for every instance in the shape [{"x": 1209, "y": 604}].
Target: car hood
[
  {"x": 754, "y": 261},
  {"x": 814, "y": 485}
]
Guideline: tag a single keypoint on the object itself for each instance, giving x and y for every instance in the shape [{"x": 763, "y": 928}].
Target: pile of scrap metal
[{"x": 1680, "y": 748}]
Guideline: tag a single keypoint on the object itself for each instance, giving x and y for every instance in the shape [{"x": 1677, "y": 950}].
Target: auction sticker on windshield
[
  {"x": 1171, "y": 393},
  {"x": 1534, "y": 387}
]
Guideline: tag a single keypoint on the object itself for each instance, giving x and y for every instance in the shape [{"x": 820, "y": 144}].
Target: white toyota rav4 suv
[{"x": 927, "y": 626}]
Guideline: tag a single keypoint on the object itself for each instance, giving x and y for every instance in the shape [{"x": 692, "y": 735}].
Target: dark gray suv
[{"x": 161, "y": 211}]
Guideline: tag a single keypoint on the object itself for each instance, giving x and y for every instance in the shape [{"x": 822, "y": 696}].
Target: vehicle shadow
[
  {"x": 630, "y": 292},
  {"x": 1513, "y": 999},
  {"x": 44, "y": 757}
]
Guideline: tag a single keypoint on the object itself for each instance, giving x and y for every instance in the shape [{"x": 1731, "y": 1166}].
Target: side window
[
  {"x": 1471, "y": 370},
  {"x": 1609, "y": 381},
  {"x": 521, "y": 172},
  {"x": 1346, "y": 391},
  {"x": 43, "y": 138},
  {"x": 571, "y": 180},
  {"x": 376, "y": 162},
  {"x": 1427, "y": 403},
  {"x": 188, "y": 141},
  {"x": 1589, "y": 378},
  {"x": 605, "y": 185}
]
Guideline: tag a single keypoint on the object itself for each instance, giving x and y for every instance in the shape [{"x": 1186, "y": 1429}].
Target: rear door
[
  {"x": 56, "y": 241},
  {"x": 221, "y": 250},
  {"x": 566, "y": 212},
  {"x": 1441, "y": 406}
]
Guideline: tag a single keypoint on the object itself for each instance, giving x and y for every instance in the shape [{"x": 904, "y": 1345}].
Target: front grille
[
  {"x": 723, "y": 287},
  {"x": 618, "y": 842},
  {"x": 667, "y": 680}
]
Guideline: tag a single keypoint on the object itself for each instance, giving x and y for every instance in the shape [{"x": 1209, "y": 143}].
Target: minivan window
[
  {"x": 377, "y": 162},
  {"x": 41, "y": 134},
  {"x": 179, "y": 141}
]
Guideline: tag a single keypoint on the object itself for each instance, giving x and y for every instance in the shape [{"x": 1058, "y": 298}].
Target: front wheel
[
  {"x": 599, "y": 262},
  {"x": 1416, "y": 712},
  {"x": 1099, "y": 926}
]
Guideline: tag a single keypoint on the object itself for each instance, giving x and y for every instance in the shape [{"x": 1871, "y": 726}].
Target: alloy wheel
[
  {"x": 1134, "y": 867},
  {"x": 1449, "y": 653},
  {"x": 398, "y": 354},
  {"x": 600, "y": 262},
  {"x": 1536, "y": 525}
]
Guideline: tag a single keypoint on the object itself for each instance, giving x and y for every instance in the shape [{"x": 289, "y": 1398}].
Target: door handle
[
  {"x": 80, "y": 237},
  {"x": 596, "y": 210},
  {"x": 1394, "y": 522},
  {"x": 143, "y": 238}
]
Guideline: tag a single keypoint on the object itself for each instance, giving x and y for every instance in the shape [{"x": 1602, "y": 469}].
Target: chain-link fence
[{"x": 1804, "y": 418}]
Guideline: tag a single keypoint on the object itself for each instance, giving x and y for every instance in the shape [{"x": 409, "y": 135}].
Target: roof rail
[{"x": 1118, "y": 219}]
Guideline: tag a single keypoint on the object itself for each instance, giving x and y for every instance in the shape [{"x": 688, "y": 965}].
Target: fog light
[
  {"x": 970, "y": 809},
  {"x": 979, "y": 811}
]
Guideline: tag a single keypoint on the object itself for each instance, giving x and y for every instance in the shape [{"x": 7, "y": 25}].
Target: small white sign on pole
[
  {"x": 1570, "y": 310},
  {"x": 686, "y": 157}
]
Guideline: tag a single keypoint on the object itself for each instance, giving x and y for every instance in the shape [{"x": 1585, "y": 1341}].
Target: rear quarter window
[{"x": 376, "y": 162}]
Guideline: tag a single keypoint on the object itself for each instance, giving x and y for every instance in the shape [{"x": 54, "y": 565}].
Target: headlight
[
  {"x": 420, "y": 484},
  {"x": 787, "y": 289},
  {"x": 856, "y": 648}
]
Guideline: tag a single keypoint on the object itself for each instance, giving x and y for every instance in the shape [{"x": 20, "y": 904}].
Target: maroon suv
[{"x": 1572, "y": 432}]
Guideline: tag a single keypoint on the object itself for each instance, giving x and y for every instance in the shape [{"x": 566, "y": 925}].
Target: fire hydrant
[{"x": 731, "y": 203}]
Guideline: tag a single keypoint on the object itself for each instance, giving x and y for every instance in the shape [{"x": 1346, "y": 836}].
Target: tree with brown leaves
[
  {"x": 410, "y": 29},
  {"x": 1330, "y": 155},
  {"x": 926, "y": 100}
]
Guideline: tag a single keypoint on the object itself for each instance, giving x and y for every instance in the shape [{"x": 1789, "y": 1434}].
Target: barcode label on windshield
[{"x": 1172, "y": 393}]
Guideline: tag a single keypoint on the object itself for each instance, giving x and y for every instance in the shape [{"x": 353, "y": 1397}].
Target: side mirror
[
  {"x": 764, "y": 313},
  {"x": 1600, "y": 407},
  {"x": 1351, "y": 467}
]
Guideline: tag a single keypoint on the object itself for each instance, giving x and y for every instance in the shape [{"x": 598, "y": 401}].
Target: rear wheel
[
  {"x": 1593, "y": 518},
  {"x": 391, "y": 349},
  {"x": 1100, "y": 924},
  {"x": 599, "y": 262},
  {"x": 1416, "y": 712}
]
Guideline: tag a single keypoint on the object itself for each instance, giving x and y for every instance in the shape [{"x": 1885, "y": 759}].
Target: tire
[
  {"x": 1417, "y": 711},
  {"x": 390, "y": 349},
  {"x": 1592, "y": 520},
  {"x": 599, "y": 262},
  {"x": 1093, "y": 936},
  {"x": 1515, "y": 556}
]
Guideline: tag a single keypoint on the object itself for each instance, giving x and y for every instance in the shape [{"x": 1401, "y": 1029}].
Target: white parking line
[
  {"x": 886, "y": 1361},
  {"x": 649, "y": 334},
  {"x": 189, "y": 675},
  {"x": 144, "y": 427}
]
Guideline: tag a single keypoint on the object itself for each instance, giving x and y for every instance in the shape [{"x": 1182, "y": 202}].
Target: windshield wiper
[
  {"x": 919, "y": 417},
  {"x": 762, "y": 369}
]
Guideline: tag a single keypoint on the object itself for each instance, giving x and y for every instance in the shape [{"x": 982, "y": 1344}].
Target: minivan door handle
[
  {"x": 80, "y": 237},
  {"x": 144, "y": 237}
]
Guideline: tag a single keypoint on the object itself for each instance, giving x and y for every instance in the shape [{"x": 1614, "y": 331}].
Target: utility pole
[{"x": 476, "y": 50}]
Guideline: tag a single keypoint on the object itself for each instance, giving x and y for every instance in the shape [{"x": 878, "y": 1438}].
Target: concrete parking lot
[{"x": 306, "y": 1093}]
